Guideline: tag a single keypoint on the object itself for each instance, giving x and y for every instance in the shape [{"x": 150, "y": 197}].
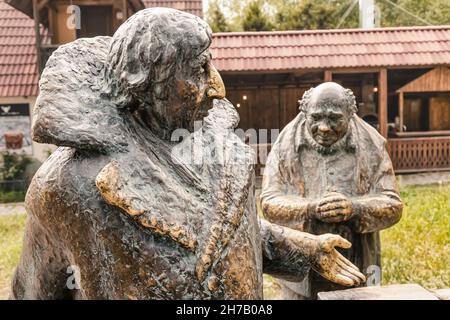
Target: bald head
[
  {"x": 329, "y": 93},
  {"x": 328, "y": 109}
]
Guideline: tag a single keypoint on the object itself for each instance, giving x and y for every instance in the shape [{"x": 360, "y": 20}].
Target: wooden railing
[
  {"x": 420, "y": 154},
  {"x": 416, "y": 154}
]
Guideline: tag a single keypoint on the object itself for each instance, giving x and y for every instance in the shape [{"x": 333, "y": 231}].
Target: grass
[
  {"x": 11, "y": 235},
  {"x": 416, "y": 250}
]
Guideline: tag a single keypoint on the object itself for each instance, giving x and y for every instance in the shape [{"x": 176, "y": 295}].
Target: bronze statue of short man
[
  {"x": 329, "y": 172},
  {"x": 126, "y": 207}
]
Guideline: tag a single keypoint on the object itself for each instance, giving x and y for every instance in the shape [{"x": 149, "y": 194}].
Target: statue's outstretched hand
[{"x": 331, "y": 265}]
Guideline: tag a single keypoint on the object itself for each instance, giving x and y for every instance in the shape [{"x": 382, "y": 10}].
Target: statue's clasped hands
[{"x": 333, "y": 207}]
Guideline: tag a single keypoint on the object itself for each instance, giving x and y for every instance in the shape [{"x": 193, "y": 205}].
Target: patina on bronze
[
  {"x": 128, "y": 208},
  {"x": 329, "y": 171}
]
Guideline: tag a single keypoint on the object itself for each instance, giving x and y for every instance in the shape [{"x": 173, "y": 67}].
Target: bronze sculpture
[
  {"x": 329, "y": 171},
  {"x": 124, "y": 204}
]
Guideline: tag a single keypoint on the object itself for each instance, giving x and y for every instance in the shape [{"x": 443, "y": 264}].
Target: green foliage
[
  {"x": 12, "y": 196},
  {"x": 13, "y": 166},
  {"x": 255, "y": 19},
  {"x": 216, "y": 18},
  {"x": 435, "y": 12},
  {"x": 326, "y": 14},
  {"x": 314, "y": 14},
  {"x": 233, "y": 11},
  {"x": 262, "y": 15},
  {"x": 14, "y": 176}
]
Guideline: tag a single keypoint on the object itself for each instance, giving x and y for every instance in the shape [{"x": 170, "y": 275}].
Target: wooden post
[
  {"x": 382, "y": 102},
  {"x": 37, "y": 31},
  {"x": 328, "y": 76},
  {"x": 400, "y": 110},
  {"x": 125, "y": 10}
]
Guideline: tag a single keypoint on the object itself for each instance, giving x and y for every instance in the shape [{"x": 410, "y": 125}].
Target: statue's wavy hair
[
  {"x": 348, "y": 97},
  {"x": 144, "y": 53}
]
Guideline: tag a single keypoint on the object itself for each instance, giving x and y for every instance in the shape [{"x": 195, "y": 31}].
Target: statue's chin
[{"x": 325, "y": 143}]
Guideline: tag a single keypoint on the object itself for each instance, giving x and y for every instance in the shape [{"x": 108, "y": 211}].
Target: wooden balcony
[{"x": 420, "y": 154}]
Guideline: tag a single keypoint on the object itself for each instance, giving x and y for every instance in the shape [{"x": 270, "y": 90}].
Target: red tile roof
[
  {"x": 18, "y": 61},
  {"x": 191, "y": 6},
  {"x": 319, "y": 49}
]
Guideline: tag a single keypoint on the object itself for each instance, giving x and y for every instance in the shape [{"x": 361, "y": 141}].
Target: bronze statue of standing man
[{"x": 329, "y": 172}]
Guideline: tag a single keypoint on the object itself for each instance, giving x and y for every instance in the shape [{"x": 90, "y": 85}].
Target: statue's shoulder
[
  {"x": 64, "y": 182},
  {"x": 73, "y": 66},
  {"x": 285, "y": 143},
  {"x": 367, "y": 135},
  {"x": 71, "y": 109}
]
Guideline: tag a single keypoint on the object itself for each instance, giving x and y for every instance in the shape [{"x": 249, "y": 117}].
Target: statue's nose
[
  {"x": 216, "y": 87},
  {"x": 324, "y": 128}
]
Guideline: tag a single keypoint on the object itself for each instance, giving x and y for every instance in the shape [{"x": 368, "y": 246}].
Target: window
[{"x": 95, "y": 21}]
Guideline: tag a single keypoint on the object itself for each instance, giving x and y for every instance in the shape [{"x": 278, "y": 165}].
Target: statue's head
[
  {"x": 156, "y": 69},
  {"x": 328, "y": 109},
  {"x": 160, "y": 65}
]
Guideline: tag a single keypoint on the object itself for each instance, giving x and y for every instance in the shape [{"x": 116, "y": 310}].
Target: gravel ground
[{"x": 12, "y": 208}]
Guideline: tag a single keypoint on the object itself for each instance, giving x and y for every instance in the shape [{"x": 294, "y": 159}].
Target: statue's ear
[
  {"x": 71, "y": 109},
  {"x": 300, "y": 109},
  {"x": 304, "y": 101}
]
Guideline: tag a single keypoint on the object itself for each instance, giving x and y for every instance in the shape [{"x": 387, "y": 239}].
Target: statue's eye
[
  {"x": 204, "y": 67},
  {"x": 335, "y": 117}
]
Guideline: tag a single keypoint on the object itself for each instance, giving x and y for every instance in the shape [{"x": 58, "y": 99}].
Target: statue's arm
[
  {"x": 383, "y": 207},
  {"x": 289, "y": 254},
  {"x": 41, "y": 272},
  {"x": 278, "y": 256},
  {"x": 278, "y": 207}
]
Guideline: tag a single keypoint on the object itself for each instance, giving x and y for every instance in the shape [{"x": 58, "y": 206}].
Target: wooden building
[
  {"x": 66, "y": 20},
  {"x": 400, "y": 78},
  {"x": 422, "y": 140}
]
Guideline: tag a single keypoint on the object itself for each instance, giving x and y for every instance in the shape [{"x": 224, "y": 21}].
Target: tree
[
  {"x": 392, "y": 12},
  {"x": 255, "y": 19},
  {"x": 327, "y": 14},
  {"x": 216, "y": 19},
  {"x": 314, "y": 14},
  {"x": 232, "y": 10}
]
